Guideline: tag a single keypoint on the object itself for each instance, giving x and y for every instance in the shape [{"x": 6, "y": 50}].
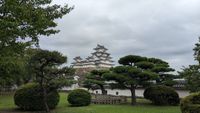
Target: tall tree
[
  {"x": 95, "y": 79},
  {"x": 11, "y": 67},
  {"x": 192, "y": 73},
  {"x": 21, "y": 24},
  {"x": 192, "y": 76},
  {"x": 47, "y": 67},
  {"x": 27, "y": 20},
  {"x": 15, "y": 70},
  {"x": 134, "y": 72},
  {"x": 25, "y": 75}
]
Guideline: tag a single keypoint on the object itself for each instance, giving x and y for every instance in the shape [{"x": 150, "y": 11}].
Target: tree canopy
[
  {"x": 95, "y": 79},
  {"x": 156, "y": 65},
  {"x": 49, "y": 72},
  {"x": 192, "y": 76},
  {"x": 192, "y": 73},
  {"x": 134, "y": 72},
  {"x": 22, "y": 23}
]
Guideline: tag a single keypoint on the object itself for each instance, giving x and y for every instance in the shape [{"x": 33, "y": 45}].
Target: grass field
[{"x": 143, "y": 106}]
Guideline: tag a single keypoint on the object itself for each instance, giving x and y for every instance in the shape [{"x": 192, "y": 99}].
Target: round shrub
[
  {"x": 162, "y": 95},
  {"x": 29, "y": 97},
  {"x": 191, "y": 103},
  {"x": 79, "y": 97}
]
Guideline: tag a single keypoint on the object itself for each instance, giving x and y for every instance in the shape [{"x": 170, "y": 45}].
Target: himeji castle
[{"x": 99, "y": 59}]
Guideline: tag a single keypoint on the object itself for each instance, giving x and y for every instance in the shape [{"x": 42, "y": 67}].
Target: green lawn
[
  {"x": 143, "y": 106},
  {"x": 6, "y": 102}
]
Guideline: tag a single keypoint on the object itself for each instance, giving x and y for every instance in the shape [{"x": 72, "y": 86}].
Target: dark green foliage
[
  {"x": 131, "y": 59},
  {"x": 139, "y": 71},
  {"x": 145, "y": 65},
  {"x": 162, "y": 95},
  {"x": 14, "y": 70},
  {"x": 79, "y": 97},
  {"x": 191, "y": 103},
  {"x": 8, "y": 70},
  {"x": 136, "y": 71},
  {"x": 197, "y": 51},
  {"x": 46, "y": 67},
  {"x": 157, "y": 61},
  {"x": 49, "y": 72},
  {"x": 28, "y": 19},
  {"x": 169, "y": 82},
  {"x": 192, "y": 73},
  {"x": 162, "y": 68},
  {"x": 22, "y": 22},
  {"x": 151, "y": 64},
  {"x": 29, "y": 97},
  {"x": 192, "y": 77},
  {"x": 95, "y": 79}
]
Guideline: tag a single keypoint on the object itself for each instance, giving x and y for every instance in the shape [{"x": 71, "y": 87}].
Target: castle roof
[
  {"x": 98, "y": 58},
  {"x": 103, "y": 53},
  {"x": 77, "y": 58},
  {"x": 100, "y": 47}
]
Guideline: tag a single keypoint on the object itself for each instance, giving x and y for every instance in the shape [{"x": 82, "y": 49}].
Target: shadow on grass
[{"x": 18, "y": 110}]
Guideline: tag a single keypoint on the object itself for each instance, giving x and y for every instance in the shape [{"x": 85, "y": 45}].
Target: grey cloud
[{"x": 166, "y": 29}]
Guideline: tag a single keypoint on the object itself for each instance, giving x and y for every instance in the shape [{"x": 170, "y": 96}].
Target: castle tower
[
  {"x": 99, "y": 59},
  {"x": 78, "y": 62}
]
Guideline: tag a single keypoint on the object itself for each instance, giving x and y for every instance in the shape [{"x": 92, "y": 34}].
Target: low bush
[
  {"x": 79, "y": 97},
  {"x": 162, "y": 95},
  {"x": 191, "y": 103},
  {"x": 29, "y": 97}
]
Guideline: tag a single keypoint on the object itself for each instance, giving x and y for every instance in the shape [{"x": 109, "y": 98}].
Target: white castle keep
[{"x": 100, "y": 58}]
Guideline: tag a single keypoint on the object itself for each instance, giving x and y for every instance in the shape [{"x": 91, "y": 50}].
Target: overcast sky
[{"x": 166, "y": 29}]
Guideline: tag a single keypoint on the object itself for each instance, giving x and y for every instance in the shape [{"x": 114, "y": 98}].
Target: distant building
[{"x": 99, "y": 59}]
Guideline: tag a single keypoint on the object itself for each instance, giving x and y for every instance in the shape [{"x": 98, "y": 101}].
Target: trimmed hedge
[
  {"x": 29, "y": 97},
  {"x": 162, "y": 95},
  {"x": 191, "y": 103},
  {"x": 79, "y": 97}
]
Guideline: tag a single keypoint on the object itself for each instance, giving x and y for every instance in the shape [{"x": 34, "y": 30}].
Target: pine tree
[
  {"x": 46, "y": 66},
  {"x": 134, "y": 72}
]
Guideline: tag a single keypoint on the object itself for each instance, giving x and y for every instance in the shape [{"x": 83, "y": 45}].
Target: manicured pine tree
[
  {"x": 95, "y": 79},
  {"x": 49, "y": 72},
  {"x": 134, "y": 72}
]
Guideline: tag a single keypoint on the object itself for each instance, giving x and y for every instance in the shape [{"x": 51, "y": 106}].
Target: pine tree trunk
[
  {"x": 44, "y": 95},
  {"x": 104, "y": 92},
  {"x": 44, "y": 91},
  {"x": 133, "y": 97},
  {"x": 45, "y": 100}
]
